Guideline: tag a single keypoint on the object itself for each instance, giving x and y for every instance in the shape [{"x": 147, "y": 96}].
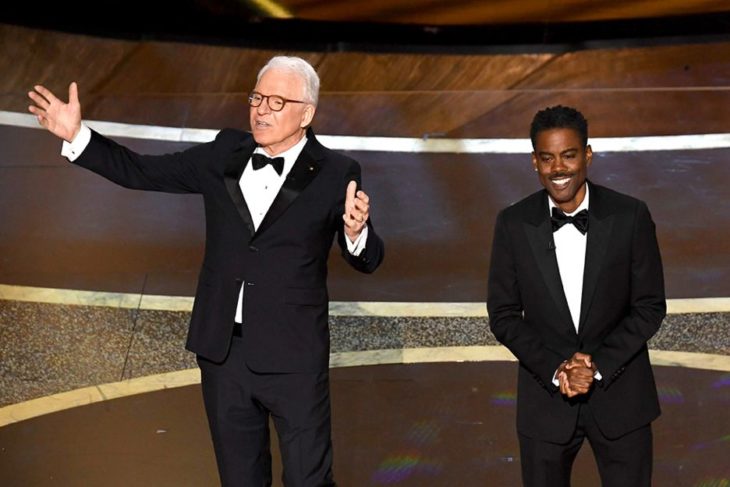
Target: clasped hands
[
  {"x": 575, "y": 375},
  {"x": 357, "y": 211}
]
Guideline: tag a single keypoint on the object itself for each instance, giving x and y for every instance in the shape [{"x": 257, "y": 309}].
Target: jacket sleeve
[
  {"x": 173, "y": 173},
  {"x": 372, "y": 255}
]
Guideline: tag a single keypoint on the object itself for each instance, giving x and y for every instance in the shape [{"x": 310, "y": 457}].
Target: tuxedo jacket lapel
[
  {"x": 600, "y": 222},
  {"x": 234, "y": 169},
  {"x": 305, "y": 169},
  {"x": 539, "y": 233}
]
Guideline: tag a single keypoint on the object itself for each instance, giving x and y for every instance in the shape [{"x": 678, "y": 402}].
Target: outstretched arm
[{"x": 61, "y": 119}]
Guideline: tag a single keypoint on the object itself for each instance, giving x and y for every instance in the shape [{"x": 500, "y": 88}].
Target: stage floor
[{"x": 442, "y": 424}]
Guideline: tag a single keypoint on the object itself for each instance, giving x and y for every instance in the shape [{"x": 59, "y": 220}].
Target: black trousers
[
  {"x": 239, "y": 402},
  {"x": 622, "y": 462}
]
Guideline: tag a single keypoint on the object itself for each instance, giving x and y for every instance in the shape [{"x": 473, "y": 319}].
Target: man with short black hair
[{"x": 575, "y": 291}]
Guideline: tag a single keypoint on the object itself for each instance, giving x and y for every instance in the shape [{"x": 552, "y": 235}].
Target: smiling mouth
[{"x": 560, "y": 182}]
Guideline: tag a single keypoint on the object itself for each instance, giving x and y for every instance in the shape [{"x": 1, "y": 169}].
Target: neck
[{"x": 286, "y": 144}]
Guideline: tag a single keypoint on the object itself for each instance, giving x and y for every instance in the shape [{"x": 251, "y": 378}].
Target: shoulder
[
  {"x": 229, "y": 137},
  {"x": 604, "y": 199},
  {"x": 333, "y": 159},
  {"x": 529, "y": 206}
]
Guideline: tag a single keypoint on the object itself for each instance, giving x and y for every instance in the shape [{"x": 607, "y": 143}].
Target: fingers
[
  {"x": 563, "y": 382},
  {"x": 582, "y": 357},
  {"x": 36, "y": 111},
  {"x": 580, "y": 379},
  {"x": 357, "y": 206},
  {"x": 46, "y": 93},
  {"x": 567, "y": 388},
  {"x": 361, "y": 208},
  {"x": 42, "y": 98},
  {"x": 73, "y": 93},
  {"x": 350, "y": 194},
  {"x": 39, "y": 101},
  {"x": 575, "y": 375},
  {"x": 40, "y": 109}
]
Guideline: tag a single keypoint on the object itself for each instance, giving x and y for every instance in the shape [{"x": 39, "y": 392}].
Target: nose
[
  {"x": 264, "y": 107},
  {"x": 558, "y": 164}
]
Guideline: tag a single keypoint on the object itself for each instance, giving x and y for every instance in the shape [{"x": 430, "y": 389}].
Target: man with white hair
[{"x": 275, "y": 199}]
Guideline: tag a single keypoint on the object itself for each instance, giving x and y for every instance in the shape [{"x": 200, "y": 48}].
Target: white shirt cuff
[
  {"x": 355, "y": 248},
  {"x": 72, "y": 150}
]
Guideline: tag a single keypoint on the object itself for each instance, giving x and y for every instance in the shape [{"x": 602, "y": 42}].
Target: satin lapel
[
  {"x": 599, "y": 230},
  {"x": 540, "y": 235},
  {"x": 305, "y": 169},
  {"x": 234, "y": 169}
]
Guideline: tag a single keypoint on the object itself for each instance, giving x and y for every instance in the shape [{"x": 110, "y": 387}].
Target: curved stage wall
[{"x": 95, "y": 280}]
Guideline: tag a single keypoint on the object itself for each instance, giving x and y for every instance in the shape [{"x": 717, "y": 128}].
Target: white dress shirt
[{"x": 570, "y": 250}]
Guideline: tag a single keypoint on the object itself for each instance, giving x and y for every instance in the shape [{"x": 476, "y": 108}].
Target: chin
[{"x": 261, "y": 139}]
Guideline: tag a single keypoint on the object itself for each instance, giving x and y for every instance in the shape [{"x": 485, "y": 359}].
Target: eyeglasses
[{"x": 275, "y": 102}]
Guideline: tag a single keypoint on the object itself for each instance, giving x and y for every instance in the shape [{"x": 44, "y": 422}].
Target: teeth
[{"x": 561, "y": 181}]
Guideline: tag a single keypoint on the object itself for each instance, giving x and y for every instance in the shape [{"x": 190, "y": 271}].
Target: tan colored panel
[
  {"x": 611, "y": 114},
  {"x": 632, "y": 91},
  {"x": 425, "y": 72},
  {"x": 679, "y": 66},
  {"x": 29, "y": 57},
  {"x": 185, "y": 69},
  {"x": 403, "y": 114}
]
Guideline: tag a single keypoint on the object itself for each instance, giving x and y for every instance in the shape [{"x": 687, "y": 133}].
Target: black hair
[{"x": 559, "y": 117}]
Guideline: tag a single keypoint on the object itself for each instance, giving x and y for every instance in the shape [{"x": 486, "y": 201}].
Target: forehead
[
  {"x": 274, "y": 81},
  {"x": 557, "y": 140}
]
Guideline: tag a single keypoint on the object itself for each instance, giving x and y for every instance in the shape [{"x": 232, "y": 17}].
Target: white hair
[{"x": 298, "y": 66}]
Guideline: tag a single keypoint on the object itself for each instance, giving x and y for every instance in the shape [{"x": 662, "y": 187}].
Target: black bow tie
[
  {"x": 260, "y": 160},
  {"x": 579, "y": 220}
]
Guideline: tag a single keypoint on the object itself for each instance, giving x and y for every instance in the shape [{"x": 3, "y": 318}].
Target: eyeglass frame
[{"x": 268, "y": 100}]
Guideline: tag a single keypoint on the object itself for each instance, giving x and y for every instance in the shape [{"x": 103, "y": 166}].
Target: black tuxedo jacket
[
  {"x": 282, "y": 265},
  {"x": 622, "y": 306}
]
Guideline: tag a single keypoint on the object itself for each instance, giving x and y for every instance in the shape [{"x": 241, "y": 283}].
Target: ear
[
  {"x": 534, "y": 161},
  {"x": 589, "y": 155},
  {"x": 307, "y": 115}
]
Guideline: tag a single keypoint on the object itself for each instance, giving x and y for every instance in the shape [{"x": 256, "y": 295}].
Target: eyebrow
[{"x": 548, "y": 153}]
